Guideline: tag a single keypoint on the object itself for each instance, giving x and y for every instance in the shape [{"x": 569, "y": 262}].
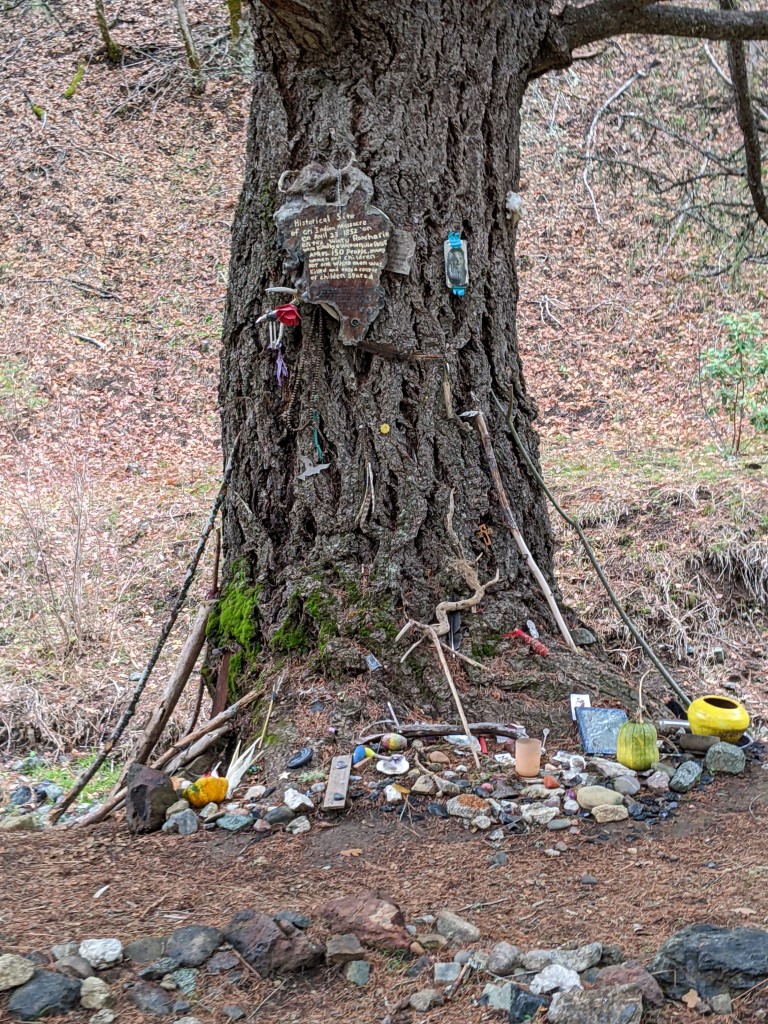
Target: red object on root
[{"x": 535, "y": 645}]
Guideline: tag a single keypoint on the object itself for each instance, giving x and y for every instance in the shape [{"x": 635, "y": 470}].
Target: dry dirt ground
[
  {"x": 706, "y": 864},
  {"x": 116, "y": 210}
]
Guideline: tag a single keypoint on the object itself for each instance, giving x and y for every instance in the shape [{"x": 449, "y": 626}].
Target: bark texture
[{"x": 426, "y": 94}]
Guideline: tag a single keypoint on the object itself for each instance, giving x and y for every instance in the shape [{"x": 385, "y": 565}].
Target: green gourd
[{"x": 636, "y": 745}]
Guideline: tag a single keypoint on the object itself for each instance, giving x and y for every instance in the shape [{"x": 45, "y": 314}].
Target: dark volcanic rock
[
  {"x": 46, "y": 994},
  {"x": 150, "y": 998},
  {"x": 712, "y": 960},
  {"x": 191, "y": 945}
]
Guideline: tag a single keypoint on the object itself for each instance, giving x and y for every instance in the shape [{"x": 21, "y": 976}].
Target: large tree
[{"x": 424, "y": 97}]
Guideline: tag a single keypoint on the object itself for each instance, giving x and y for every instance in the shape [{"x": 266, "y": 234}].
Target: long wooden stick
[
  {"x": 454, "y": 692},
  {"x": 514, "y": 529},
  {"x": 190, "y": 652},
  {"x": 437, "y": 730}
]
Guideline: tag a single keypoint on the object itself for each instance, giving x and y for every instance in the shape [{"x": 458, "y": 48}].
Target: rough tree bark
[{"x": 427, "y": 96}]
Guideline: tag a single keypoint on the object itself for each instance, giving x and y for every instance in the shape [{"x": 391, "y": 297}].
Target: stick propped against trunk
[{"x": 509, "y": 518}]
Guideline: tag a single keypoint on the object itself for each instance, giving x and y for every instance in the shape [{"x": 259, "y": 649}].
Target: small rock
[
  {"x": 631, "y": 973},
  {"x": 558, "y": 823},
  {"x": 536, "y": 814},
  {"x": 662, "y": 766},
  {"x": 447, "y": 788},
  {"x": 74, "y": 967},
  {"x": 722, "y": 1005},
  {"x": 555, "y": 978},
  {"x": 238, "y": 822},
  {"x": 191, "y": 945},
  {"x": 64, "y": 949},
  {"x": 358, "y": 972},
  {"x": 14, "y": 971},
  {"x": 148, "y": 997},
  {"x": 455, "y": 928},
  {"x": 392, "y": 794},
  {"x": 467, "y": 805},
  {"x": 583, "y": 637},
  {"x": 297, "y": 801},
  {"x": 627, "y": 785},
  {"x": 423, "y": 786},
  {"x": 210, "y": 812},
  {"x": 571, "y": 806},
  {"x": 426, "y": 999},
  {"x": 610, "y": 769},
  {"x": 588, "y": 880},
  {"x": 298, "y": 826},
  {"x": 597, "y": 796},
  {"x": 498, "y": 859},
  {"x": 103, "y": 1017},
  {"x": 49, "y": 791},
  {"x": 18, "y": 823},
  {"x": 504, "y": 959},
  {"x": 262, "y": 826},
  {"x": 342, "y": 949},
  {"x": 658, "y": 782},
  {"x": 255, "y": 793},
  {"x": 188, "y": 1020},
  {"x": 612, "y": 954},
  {"x": 95, "y": 994},
  {"x": 552, "y": 853},
  {"x": 233, "y": 1012},
  {"x": 431, "y": 940},
  {"x": 619, "y": 1005},
  {"x": 20, "y": 795},
  {"x": 177, "y": 808},
  {"x": 293, "y": 917},
  {"x": 160, "y": 969},
  {"x": 447, "y": 973},
  {"x": 185, "y": 980},
  {"x": 222, "y": 962},
  {"x": 497, "y": 997},
  {"x": 609, "y": 812},
  {"x": 144, "y": 951},
  {"x": 686, "y": 777},
  {"x": 482, "y": 821},
  {"x": 522, "y": 1005},
  {"x": 184, "y": 822},
  {"x": 540, "y": 792},
  {"x": 278, "y": 816},
  {"x": 725, "y": 759},
  {"x": 45, "y": 995},
  {"x": 438, "y": 757},
  {"x": 101, "y": 953}
]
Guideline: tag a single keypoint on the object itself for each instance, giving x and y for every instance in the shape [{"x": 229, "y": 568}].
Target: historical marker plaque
[{"x": 343, "y": 251}]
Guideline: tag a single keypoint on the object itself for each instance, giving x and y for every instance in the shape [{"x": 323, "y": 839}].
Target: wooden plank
[{"x": 338, "y": 783}]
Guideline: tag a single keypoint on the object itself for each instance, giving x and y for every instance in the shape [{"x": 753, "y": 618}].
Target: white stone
[
  {"x": 95, "y": 994},
  {"x": 555, "y": 978},
  {"x": 297, "y": 801},
  {"x": 609, "y": 812},
  {"x": 610, "y": 769},
  {"x": 535, "y": 814},
  {"x": 101, "y": 953},
  {"x": 423, "y": 786},
  {"x": 393, "y": 795},
  {"x": 571, "y": 806},
  {"x": 482, "y": 821},
  {"x": 255, "y": 793},
  {"x": 597, "y": 796},
  {"x": 14, "y": 971},
  {"x": 298, "y": 826},
  {"x": 106, "y": 1017},
  {"x": 209, "y": 811}
]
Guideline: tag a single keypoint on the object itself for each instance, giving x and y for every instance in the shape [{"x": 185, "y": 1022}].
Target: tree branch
[
  {"x": 737, "y": 64},
  {"x": 581, "y": 26}
]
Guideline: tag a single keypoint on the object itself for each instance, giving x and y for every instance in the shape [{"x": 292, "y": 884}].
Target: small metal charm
[{"x": 456, "y": 267}]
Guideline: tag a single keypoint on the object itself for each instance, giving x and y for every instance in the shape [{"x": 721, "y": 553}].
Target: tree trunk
[{"x": 425, "y": 94}]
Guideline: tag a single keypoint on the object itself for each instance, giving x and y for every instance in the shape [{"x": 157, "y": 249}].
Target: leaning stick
[
  {"x": 454, "y": 692},
  {"x": 511, "y": 522},
  {"x": 437, "y": 730}
]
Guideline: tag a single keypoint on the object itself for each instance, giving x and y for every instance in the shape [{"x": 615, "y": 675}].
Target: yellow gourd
[{"x": 210, "y": 789}]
